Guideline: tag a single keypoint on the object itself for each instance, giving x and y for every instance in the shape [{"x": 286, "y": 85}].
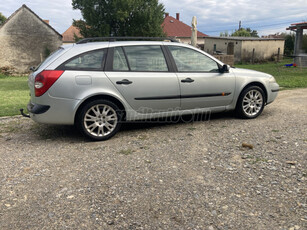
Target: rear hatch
[{"x": 55, "y": 55}]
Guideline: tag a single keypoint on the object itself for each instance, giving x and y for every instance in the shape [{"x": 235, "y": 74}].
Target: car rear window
[{"x": 50, "y": 57}]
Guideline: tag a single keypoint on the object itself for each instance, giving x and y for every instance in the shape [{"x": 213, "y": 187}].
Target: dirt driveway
[{"x": 163, "y": 176}]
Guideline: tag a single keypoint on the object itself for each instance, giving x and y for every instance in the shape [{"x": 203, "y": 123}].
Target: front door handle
[
  {"x": 187, "y": 80},
  {"x": 124, "y": 82}
]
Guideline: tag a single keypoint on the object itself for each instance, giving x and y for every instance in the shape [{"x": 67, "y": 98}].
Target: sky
[{"x": 213, "y": 16}]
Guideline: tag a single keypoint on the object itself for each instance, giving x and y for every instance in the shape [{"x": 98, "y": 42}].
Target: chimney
[
  {"x": 177, "y": 16},
  {"x": 47, "y": 21},
  {"x": 166, "y": 15}
]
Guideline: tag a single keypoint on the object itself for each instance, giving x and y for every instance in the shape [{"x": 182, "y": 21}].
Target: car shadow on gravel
[
  {"x": 72, "y": 134},
  {"x": 58, "y": 132},
  {"x": 139, "y": 125}
]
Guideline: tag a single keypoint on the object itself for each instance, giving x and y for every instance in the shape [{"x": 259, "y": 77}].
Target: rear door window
[
  {"x": 146, "y": 58},
  {"x": 119, "y": 60}
]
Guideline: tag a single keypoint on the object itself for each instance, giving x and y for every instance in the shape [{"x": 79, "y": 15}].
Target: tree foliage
[
  {"x": 241, "y": 33},
  {"x": 120, "y": 17},
  {"x": 2, "y": 18},
  {"x": 289, "y": 43},
  {"x": 304, "y": 45},
  {"x": 245, "y": 33}
]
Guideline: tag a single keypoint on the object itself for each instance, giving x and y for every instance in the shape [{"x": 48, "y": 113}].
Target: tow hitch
[{"x": 23, "y": 114}]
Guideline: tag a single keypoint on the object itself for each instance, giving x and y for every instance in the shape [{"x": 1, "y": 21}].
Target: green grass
[
  {"x": 286, "y": 77},
  {"x": 14, "y": 94}
]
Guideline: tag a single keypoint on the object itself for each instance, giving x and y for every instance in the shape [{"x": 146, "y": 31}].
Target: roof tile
[{"x": 175, "y": 28}]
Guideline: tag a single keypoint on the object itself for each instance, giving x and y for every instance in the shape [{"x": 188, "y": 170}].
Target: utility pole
[{"x": 239, "y": 25}]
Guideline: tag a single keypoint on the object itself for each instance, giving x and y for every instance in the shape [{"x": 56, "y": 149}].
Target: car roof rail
[{"x": 113, "y": 39}]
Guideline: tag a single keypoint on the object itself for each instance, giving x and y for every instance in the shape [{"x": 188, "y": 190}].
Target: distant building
[
  {"x": 70, "y": 33},
  {"x": 26, "y": 40},
  {"x": 246, "y": 49},
  {"x": 173, "y": 27},
  {"x": 277, "y": 35}
]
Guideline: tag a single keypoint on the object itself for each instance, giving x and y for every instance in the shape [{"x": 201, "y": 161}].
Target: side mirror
[{"x": 224, "y": 69}]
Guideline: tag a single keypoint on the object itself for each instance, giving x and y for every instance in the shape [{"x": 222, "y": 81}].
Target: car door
[
  {"x": 202, "y": 85},
  {"x": 141, "y": 74}
]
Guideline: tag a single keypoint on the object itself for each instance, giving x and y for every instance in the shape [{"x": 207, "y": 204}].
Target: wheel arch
[
  {"x": 259, "y": 84},
  {"x": 101, "y": 96}
]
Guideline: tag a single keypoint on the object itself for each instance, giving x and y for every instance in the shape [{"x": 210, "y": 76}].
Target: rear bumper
[
  {"x": 58, "y": 111},
  {"x": 37, "y": 109}
]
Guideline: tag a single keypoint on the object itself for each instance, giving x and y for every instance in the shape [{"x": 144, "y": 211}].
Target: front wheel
[
  {"x": 251, "y": 102},
  {"x": 99, "y": 119}
]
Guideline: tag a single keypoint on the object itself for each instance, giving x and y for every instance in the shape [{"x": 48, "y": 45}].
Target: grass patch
[
  {"x": 286, "y": 77},
  {"x": 14, "y": 94}
]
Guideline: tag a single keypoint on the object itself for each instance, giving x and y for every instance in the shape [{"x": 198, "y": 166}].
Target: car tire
[
  {"x": 250, "y": 103},
  {"x": 99, "y": 119}
]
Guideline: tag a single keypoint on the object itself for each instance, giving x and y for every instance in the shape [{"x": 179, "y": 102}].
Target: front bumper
[{"x": 273, "y": 92}]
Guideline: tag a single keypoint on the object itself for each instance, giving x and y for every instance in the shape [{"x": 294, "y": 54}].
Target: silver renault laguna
[{"x": 97, "y": 85}]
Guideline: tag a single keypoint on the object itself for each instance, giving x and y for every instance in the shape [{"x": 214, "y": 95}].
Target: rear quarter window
[{"x": 92, "y": 60}]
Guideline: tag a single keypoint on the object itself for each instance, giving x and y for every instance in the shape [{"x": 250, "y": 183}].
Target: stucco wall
[
  {"x": 221, "y": 45},
  {"x": 25, "y": 40},
  {"x": 243, "y": 50},
  {"x": 264, "y": 50}
]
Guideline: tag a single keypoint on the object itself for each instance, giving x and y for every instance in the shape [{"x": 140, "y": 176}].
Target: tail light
[{"x": 44, "y": 80}]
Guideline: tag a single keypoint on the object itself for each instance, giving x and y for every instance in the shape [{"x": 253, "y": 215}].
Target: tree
[
  {"x": 2, "y": 18},
  {"x": 245, "y": 33},
  {"x": 225, "y": 34},
  {"x": 289, "y": 43},
  {"x": 120, "y": 18},
  {"x": 253, "y": 33},
  {"x": 304, "y": 45}
]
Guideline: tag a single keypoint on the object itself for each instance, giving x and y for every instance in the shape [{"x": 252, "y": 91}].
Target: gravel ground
[{"x": 192, "y": 175}]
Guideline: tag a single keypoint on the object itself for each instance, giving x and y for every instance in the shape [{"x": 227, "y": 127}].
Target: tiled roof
[
  {"x": 68, "y": 35},
  {"x": 175, "y": 28}
]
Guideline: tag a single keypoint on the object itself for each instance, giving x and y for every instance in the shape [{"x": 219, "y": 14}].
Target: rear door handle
[
  {"x": 124, "y": 82},
  {"x": 187, "y": 80}
]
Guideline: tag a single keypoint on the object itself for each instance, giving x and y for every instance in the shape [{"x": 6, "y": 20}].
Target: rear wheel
[
  {"x": 99, "y": 119},
  {"x": 250, "y": 103}
]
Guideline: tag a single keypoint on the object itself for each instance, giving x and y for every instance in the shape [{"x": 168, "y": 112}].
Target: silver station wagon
[{"x": 97, "y": 85}]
